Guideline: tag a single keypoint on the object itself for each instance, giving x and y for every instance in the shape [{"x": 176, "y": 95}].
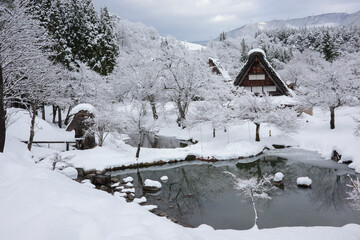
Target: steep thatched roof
[{"x": 258, "y": 54}]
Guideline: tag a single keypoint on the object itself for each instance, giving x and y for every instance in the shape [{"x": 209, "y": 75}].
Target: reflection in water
[
  {"x": 153, "y": 141},
  {"x": 197, "y": 194}
]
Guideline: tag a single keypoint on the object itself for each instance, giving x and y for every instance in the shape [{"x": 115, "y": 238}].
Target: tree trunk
[
  {"x": 214, "y": 132},
  {"x": 139, "y": 146},
  {"x": 138, "y": 151},
  {"x": 59, "y": 118},
  {"x": 54, "y": 113},
  {"x": 2, "y": 113},
  {"x": 332, "y": 118},
  {"x": 43, "y": 111},
  {"x": 67, "y": 118},
  {"x": 153, "y": 108},
  {"x": 257, "y": 138},
  {"x": 181, "y": 114},
  {"x": 32, "y": 127}
]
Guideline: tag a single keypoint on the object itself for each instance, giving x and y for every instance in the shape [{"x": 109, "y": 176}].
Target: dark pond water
[
  {"x": 155, "y": 141},
  {"x": 198, "y": 193}
]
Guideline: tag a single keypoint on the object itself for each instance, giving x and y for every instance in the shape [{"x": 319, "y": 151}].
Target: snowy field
[
  {"x": 38, "y": 203},
  {"x": 237, "y": 142}
]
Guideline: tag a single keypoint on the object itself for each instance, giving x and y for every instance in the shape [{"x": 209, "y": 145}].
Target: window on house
[
  {"x": 257, "y": 89},
  {"x": 269, "y": 88},
  {"x": 256, "y": 76}
]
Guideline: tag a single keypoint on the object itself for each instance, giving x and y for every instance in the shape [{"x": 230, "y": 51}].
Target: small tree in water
[{"x": 253, "y": 189}]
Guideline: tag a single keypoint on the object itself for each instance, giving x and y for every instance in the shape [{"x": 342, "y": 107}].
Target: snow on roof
[
  {"x": 221, "y": 69},
  {"x": 256, "y": 50},
  {"x": 83, "y": 107}
]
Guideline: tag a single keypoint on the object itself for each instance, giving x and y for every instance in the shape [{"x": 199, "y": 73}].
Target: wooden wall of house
[{"x": 257, "y": 69}]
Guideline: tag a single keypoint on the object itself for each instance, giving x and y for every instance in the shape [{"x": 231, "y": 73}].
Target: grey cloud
[{"x": 202, "y": 19}]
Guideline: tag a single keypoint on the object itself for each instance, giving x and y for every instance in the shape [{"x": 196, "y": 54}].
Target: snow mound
[
  {"x": 150, "y": 207},
  {"x": 256, "y": 50},
  {"x": 119, "y": 194},
  {"x": 83, "y": 107},
  {"x": 278, "y": 177},
  {"x": 152, "y": 183},
  {"x": 128, "y": 179},
  {"x": 164, "y": 178},
  {"x": 87, "y": 183},
  {"x": 70, "y": 172},
  {"x": 304, "y": 181}
]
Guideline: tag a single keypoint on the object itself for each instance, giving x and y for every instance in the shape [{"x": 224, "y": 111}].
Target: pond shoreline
[{"x": 188, "y": 158}]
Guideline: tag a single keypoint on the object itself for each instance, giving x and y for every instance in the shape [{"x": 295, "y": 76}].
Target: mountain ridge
[{"x": 326, "y": 19}]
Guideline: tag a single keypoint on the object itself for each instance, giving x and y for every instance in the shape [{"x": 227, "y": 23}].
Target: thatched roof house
[
  {"x": 258, "y": 76},
  {"x": 81, "y": 123}
]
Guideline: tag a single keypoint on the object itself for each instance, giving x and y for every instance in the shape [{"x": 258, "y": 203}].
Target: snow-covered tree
[
  {"x": 330, "y": 85},
  {"x": 25, "y": 67},
  {"x": 264, "y": 109},
  {"x": 253, "y": 188},
  {"x": 142, "y": 77},
  {"x": 105, "y": 49},
  {"x": 185, "y": 73},
  {"x": 215, "y": 106},
  {"x": 328, "y": 48},
  {"x": 136, "y": 121}
]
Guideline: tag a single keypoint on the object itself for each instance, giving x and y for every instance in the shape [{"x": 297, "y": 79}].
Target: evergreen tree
[
  {"x": 222, "y": 36},
  {"x": 328, "y": 48},
  {"x": 244, "y": 51},
  {"x": 106, "y": 49}
]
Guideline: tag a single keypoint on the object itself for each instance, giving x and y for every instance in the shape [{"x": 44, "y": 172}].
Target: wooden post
[
  {"x": 67, "y": 146},
  {"x": 270, "y": 133}
]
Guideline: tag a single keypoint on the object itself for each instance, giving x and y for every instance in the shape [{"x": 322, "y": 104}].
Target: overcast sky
[{"x": 195, "y": 20}]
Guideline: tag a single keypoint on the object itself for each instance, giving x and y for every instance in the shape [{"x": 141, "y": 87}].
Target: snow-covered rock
[
  {"x": 70, "y": 172},
  {"x": 304, "y": 181},
  {"x": 119, "y": 194},
  {"x": 152, "y": 183},
  {"x": 140, "y": 200},
  {"x": 164, "y": 178},
  {"x": 128, "y": 179},
  {"x": 129, "y": 184},
  {"x": 115, "y": 184},
  {"x": 128, "y": 190},
  {"x": 278, "y": 177}
]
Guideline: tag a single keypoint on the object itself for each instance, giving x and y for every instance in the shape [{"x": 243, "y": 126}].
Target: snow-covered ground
[
  {"x": 237, "y": 142},
  {"x": 38, "y": 203}
]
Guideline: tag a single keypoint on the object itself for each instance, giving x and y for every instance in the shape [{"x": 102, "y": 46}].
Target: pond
[
  {"x": 201, "y": 193},
  {"x": 154, "y": 141}
]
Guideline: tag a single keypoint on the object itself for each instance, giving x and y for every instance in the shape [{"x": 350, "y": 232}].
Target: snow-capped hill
[
  {"x": 192, "y": 46},
  {"x": 328, "y": 20}
]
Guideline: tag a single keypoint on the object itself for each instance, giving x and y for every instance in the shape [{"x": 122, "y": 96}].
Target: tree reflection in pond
[{"x": 202, "y": 193}]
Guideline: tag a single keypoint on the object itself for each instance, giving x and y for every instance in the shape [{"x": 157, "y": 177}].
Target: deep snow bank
[{"x": 36, "y": 203}]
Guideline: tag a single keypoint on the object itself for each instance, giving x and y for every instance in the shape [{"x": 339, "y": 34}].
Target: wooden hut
[
  {"x": 258, "y": 76},
  {"x": 218, "y": 69},
  {"x": 81, "y": 123}
]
